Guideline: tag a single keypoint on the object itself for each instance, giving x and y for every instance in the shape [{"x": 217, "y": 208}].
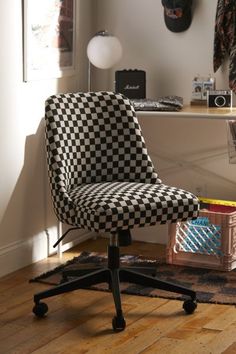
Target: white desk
[{"x": 198, "y": 112}]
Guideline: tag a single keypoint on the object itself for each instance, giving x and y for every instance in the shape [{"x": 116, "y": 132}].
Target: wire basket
[
  {"x": 199, "y": 236},
  {"x": 207, "y": 242}
]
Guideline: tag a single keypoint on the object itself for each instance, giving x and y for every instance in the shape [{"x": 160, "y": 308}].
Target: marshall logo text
[{"x": 131, "y": 87}]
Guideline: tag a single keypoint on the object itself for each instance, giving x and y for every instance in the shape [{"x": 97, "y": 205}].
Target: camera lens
[{"x": 220, "y": 101}]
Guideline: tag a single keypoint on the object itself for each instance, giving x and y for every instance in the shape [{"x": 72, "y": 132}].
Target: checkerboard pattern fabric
[{"x": 101, "y": 175}]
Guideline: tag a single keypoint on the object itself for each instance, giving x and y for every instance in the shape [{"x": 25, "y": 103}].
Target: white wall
[
  {"x": 25, "y": 208},
  {"x": 187, "y": 153},
  {"x": 171, "y": 60}
]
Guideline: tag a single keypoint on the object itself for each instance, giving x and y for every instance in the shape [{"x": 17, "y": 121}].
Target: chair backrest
[{"x": 94, "y": 137}]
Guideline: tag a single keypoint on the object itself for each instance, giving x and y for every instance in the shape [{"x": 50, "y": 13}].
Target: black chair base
[{"x": 112, "y": 275}]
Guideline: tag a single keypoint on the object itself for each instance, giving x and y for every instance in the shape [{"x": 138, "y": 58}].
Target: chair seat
[{"x": 112, "y": 206}]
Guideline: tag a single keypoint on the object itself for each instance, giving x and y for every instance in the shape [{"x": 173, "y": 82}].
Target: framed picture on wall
[{"x": 49, "y": 39}]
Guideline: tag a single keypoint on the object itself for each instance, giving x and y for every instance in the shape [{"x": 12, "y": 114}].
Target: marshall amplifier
[{"x": 131, "y": 83}]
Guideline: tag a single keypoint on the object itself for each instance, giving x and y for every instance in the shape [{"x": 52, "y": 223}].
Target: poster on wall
[{"x": 49, "y": 39}]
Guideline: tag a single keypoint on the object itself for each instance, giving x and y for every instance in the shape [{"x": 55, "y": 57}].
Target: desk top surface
[{"x": 194, "y": 112}]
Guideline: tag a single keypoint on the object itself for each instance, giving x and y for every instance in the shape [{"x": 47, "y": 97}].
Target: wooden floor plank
[
  {"x": 58, "y": 322},
  {"x": 80, "y": 322},
  {"x": 151, "y": 328},
  {"x": 90, "y": 334},
  {"x": 197, "y": 343},
  {"x": 146, "y": 330},
  {"x": 224, "y": 340},
  {"x": 231, "y": 349},
  {"x": 224, "y": 319}
]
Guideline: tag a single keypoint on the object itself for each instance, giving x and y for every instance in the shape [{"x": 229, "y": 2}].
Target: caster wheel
[
  {"x": 118, "y": 324},
  {"x": 189, "y": 306},
  {"x": 40, "y": 309}
]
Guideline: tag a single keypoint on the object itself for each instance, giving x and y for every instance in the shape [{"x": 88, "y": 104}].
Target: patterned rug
[{"x": 211, "y": 286}]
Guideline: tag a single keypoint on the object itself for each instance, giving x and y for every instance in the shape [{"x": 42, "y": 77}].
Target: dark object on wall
[
  {"x": 225, "y": 39},
  {"x": 177, "y": 14},
  {"x": 131, "y": 83}
]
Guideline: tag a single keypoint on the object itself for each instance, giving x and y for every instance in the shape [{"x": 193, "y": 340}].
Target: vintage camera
[{"x": 219, "y": 98}]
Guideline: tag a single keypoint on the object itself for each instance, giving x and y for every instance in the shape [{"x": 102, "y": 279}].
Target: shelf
[{"x": 198, "y": 112}]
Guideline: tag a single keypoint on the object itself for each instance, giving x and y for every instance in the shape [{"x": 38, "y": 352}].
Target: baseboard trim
[
  {"x": 86, "y": 236},
  {"x": 22, "y": 253}
]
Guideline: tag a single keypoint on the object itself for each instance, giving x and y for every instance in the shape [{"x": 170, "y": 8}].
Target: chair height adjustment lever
[{"x": 64, "y": 235}]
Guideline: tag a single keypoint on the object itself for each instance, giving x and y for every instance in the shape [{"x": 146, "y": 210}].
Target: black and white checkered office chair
[{"x": 102, "y": 179}]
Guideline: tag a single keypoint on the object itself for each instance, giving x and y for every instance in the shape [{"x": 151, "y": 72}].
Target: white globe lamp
[{"x": 104, "y": 51}]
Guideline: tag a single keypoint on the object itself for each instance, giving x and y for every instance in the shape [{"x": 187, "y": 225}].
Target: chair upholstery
[
  {"x": 102, "y": 179},
  {"x": 101, "y": 175}
]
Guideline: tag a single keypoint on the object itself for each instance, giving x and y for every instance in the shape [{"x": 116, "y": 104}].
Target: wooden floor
[{"x": 80, "y": 322}]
